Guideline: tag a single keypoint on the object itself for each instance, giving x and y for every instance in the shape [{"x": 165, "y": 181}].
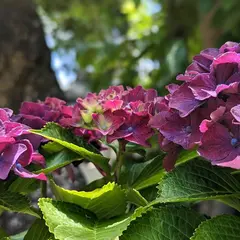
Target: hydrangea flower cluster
[
  {"x": 204, "y": 110},
  {"x": 37, "y": 114},
  {"x": 16, "y": 148},
  {"x": 116, "y": 114}
]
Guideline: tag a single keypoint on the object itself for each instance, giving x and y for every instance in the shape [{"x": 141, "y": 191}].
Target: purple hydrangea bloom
[
  {"x": 116, "y": 113},
  {"x": 15, "y": 153},
  {"x": 37, "y": 114},
  {"x": 205, "y": 109}
]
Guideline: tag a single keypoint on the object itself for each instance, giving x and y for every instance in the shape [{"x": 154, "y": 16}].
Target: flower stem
[
  {"x": 119, "y": 160},
  {"x": 44, "y": 189}
]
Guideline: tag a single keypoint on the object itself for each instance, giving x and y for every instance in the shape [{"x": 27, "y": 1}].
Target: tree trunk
[{"x": 25, "y": 71}]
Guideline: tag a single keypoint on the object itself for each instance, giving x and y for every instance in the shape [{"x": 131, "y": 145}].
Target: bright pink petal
[{"x": 24, "y": 173}]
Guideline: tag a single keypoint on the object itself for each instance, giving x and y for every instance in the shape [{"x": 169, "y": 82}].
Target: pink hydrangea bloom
[{"x": 16, "y": 152}]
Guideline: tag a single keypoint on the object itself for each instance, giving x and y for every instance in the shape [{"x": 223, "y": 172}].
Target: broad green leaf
[
  {"x": 233, "y": 202},
  {"x": 16, "y": 202},
  {"x": 52, "y": 147},
  {"x": 134, "y": 173},
  {"x": 70, "y": 222},
  {"x": 39, "y": 231},
  {"x": 67, "y": 139},
  {"x": 133, "y": 196},
  {"x": 149, "y": 193},
  {"x": 145, "y": 174},
  {"x": 24, "y": 185},
  {"x": 105, "y": 202},
  {"x": 198, "y": 180},
  {"x": 59, "y": 160},
  {"x": 97, "y": 183},
  {"x": 164, "y": 223},
  {"x": 224, "y": 227},
  {"x": 135, "y": 148}
]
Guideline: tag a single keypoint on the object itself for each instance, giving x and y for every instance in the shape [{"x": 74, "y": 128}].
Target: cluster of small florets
[
  {"x": 204, "y": 110},
  {"x": 17, "y": 148},
  {"x": 116, "y": 114}
]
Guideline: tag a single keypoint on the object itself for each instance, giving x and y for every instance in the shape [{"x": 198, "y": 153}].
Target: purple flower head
[
  {"x": 37, "y": 114},
  {"x": 116, "y": 113},
  {"x": 15, "y": 151},
  {"x": 204, "y": 110},
  {"x": 201, "y": 64},
  {"x": 224, "y": 77}
]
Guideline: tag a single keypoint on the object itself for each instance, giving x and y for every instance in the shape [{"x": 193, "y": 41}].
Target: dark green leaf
[
  {"x": 24, "y": 185},
  {"x": 145, "y": 174},
  {"x": 164, "y": 223},
  {"x": 59, "y": 160},
  {"x": 16, "y": 202},
  {"x": 39, "y": 231},
  {"x": 198, "y": 180},
  {"x": 225, "y": 227}
]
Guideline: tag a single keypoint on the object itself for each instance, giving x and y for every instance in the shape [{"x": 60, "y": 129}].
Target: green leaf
[
  {"x": 149, "y": 193},
  {"x": 105, "y": 202},
  {"x": 133, "y": 196},
  {"x": 136, "y": 174},
  {"x": 97, "y": 183},
  {"x": 220, "y": 228},
  {"x": 39, "y": 231},
  {"x": 52, "y": 147},
  {"x": 24, "y": 185},
  {"x": 164, "y": 223},
  {"x": 70, "y": 222},
  {"x": 16, "y": 202},
  {"x": 67, "y": 139},
  {"x": 59, "y": 160},
  {"x": 145, "y": 174},
  {"x": 198, "y": 180}
]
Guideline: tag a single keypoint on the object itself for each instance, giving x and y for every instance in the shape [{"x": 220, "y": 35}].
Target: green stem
[
  {"x": 119, "y": 160},
  {"x": 44, "y": 189}
]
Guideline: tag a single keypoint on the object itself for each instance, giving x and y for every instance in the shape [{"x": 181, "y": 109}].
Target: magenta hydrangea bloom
[
  {"x": 116, "y": 113},
  {"x": 37, "y": 114},
  {"x": 16, "y": 153},
  {"x": 204, "y": 110}
]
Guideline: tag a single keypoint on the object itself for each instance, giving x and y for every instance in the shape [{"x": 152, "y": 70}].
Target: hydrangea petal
[
  {"x": 184, "y": 101},
  {"x": 9, "y": 157}
]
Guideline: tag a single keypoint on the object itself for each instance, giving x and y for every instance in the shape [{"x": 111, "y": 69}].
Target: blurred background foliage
[{"x": 131, "y": 42}]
